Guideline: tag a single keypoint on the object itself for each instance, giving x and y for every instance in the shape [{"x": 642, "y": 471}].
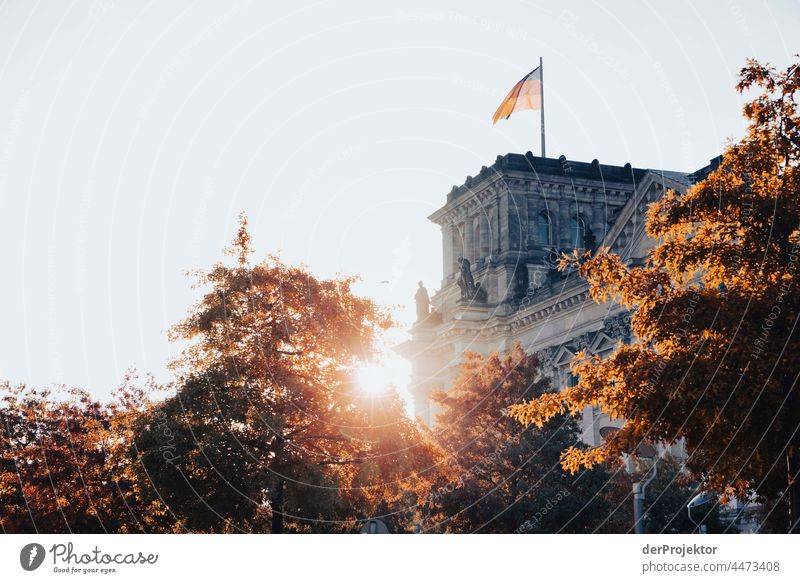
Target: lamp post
[
  {"x": 644, "y": 451},
  {"x": 640, "y": 489},
  {"x": 701, "y": 499},
  {"x": 374, "y": 526}
]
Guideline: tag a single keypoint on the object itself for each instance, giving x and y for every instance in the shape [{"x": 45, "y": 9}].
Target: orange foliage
[{"x": 715, "y": 311}]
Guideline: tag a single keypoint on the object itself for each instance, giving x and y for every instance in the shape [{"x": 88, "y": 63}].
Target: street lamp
[
  {"x": 374, "y": 526},
  {"x": 701, "y": 499},
  {"x": 644, "y": 451},
  {"x": 639, "y": 489}
]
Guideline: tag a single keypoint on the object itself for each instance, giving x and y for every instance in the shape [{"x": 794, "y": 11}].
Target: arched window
[
  {"x": 577, "y": 230},
  {"x": 544, "y": 229}
]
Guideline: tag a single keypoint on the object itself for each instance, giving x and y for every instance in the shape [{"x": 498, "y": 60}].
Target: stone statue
[
  {"x": 423, "y": 303},
  {"x": 469, "y": 289},
  {"x": 465, "y": 281}
]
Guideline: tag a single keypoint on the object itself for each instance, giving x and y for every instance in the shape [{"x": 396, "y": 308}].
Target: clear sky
[{"x": 133, "y": 133}]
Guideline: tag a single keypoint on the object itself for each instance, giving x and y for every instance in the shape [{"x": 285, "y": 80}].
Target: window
[
  {"x": 577, "y": 230},
  {"x": 544, "y": 229}
]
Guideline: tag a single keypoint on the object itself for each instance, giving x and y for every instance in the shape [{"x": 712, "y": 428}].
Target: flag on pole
[{"x": 527, "y": 94}]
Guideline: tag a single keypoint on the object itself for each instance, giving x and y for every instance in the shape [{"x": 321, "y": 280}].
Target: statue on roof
[
  {"x": 465, "y": 281},
  {"x": 423, "y": 302}
]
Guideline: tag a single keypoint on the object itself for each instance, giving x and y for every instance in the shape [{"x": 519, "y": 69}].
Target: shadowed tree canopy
[
  {"x": 63, "y": 467},
  {"x": 504, "y": 477},
  {"x": 715, "y": 311}
]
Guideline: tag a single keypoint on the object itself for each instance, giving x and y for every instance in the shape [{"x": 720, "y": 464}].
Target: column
[
  {"x": 516, "y": 211},
  {"x": 598, "y": 216},
  {"x": 458, "y": 245},
  {"x": 496, "y": 247},
  {"x": 448, "y": 262},
  {"x": 469, "y": 239},
  {"x": 477, "y": 235},
  {"x": 486, "y": 234},
  {"x": 563, "y": 221}
]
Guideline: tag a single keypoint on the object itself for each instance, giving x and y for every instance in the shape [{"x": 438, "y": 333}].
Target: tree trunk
[
  {"x": 793, "y": 475},
  {"x": 276, "y": 501}
]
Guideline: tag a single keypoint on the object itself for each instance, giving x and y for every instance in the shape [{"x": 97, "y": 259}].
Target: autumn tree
[
  {"x": 402, "y": 464},
  {"x": 59, "y": 469},
  {"x": 507, "y": 477},
  {"x": 257, "y": 436},
  {"x": 715, "y": 310}
]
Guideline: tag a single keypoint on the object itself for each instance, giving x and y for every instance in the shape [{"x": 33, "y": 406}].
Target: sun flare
[
  {"x": 374, "y": 378},
  {"x": 390, "y": 372}
]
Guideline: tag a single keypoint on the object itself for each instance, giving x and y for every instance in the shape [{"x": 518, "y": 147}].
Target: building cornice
[{"x": 523, "y": 174}]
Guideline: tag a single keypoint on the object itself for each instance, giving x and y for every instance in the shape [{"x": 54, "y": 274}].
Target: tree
[
  {"x": 58, "y": 471},
  {"x": 403, "y": 464},
  {"x": 255, "y": 437},
  {"x": 506, "y": 478},
  {"x": 715, "y": 311}
]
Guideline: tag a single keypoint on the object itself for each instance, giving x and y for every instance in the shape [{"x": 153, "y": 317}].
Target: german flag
[{"x": 527, "y": 94}]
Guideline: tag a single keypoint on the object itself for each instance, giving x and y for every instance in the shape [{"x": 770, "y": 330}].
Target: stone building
[{"x": 502, "y": 231}]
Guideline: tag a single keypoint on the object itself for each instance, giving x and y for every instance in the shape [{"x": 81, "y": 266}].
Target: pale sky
[{"x": 133, "y": 133}]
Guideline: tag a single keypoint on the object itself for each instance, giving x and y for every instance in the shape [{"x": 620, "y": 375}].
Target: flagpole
[{"x": 541, "y": 80}]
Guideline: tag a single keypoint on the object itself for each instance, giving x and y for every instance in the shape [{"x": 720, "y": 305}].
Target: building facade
[{"x": 502, "y": 232}]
